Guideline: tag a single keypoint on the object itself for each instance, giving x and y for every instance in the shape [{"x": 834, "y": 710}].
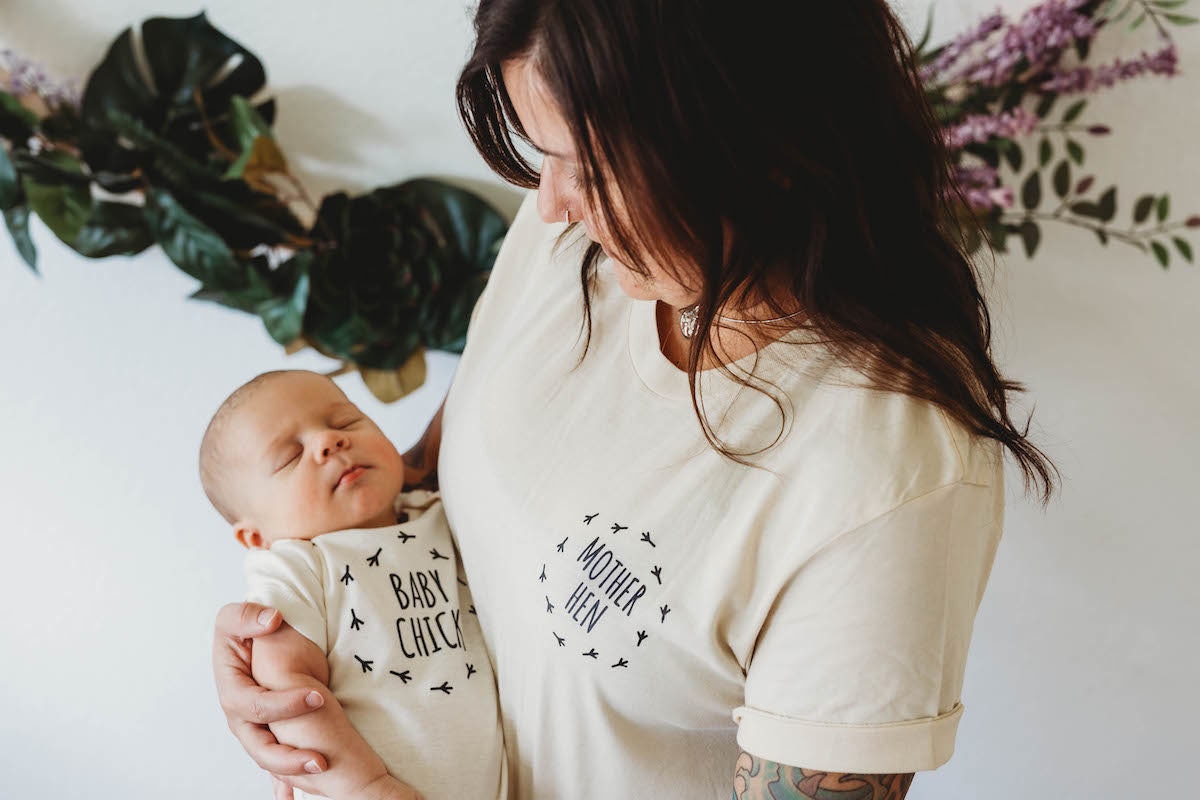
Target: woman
[{"x": 728, "y": 527}]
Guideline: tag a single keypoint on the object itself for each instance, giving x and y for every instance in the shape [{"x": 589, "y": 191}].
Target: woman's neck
[{"x": 731, "y": 340}]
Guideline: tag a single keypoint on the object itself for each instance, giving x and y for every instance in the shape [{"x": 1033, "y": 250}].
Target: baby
[{"x": 373, "y": 604}]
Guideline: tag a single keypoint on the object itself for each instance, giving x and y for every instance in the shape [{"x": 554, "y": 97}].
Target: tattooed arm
[
  {"x": 420, "y": 462},
  {"x": 758, "y": 779}
]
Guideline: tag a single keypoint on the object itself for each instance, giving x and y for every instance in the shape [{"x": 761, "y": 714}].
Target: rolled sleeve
[
  {"x": 859, "y": 666},
  {"x": 896, "y": 747}
]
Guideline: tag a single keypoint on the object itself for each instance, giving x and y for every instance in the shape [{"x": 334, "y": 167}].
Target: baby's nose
[{"x": 332, "y": 445}]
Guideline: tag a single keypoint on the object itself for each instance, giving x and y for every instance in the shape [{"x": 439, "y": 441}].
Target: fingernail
[
  {"x": 265, "y": 616},
  {"x": 314, "y": 700},
  {"x": 311, "y": 766}
]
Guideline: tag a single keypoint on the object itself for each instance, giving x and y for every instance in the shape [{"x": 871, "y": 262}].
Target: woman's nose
[{"x": 554, "y": 195}]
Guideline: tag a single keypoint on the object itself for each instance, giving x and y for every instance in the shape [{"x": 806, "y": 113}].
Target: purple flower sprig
[
  {"x": 952, "y": 52},
  {"x": 1084, "y": 79},
  {"x": 983, "y": 127},
  {"x": 1032, "y": 44},
  {"x": 26, "y": 77},
  {"x": 980, "y": 185}
]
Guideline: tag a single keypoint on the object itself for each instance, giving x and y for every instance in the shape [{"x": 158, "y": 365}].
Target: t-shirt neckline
[{"x": 669, "y": 381}]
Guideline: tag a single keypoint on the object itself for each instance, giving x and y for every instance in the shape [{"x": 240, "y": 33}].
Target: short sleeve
[
  {"x": 859, "y": 666},
  {"x": 288, "y": 577}
]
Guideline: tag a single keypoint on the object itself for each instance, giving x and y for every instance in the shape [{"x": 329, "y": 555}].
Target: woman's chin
[{"x": 631, "y": 283}]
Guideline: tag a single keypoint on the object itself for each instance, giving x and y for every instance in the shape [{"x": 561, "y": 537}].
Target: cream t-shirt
[
  {"x": 397, "y": 623},
  {"x": 650, "y": 606}
]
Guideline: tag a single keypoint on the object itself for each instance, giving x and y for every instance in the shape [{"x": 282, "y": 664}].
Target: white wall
[{"x": 1081, "y": 678}]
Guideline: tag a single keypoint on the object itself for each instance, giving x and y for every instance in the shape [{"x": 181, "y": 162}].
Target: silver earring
[{"x": 568, "y": 216}]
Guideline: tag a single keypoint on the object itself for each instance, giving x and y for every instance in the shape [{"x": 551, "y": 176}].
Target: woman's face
[{"x": 560, "y": 191}]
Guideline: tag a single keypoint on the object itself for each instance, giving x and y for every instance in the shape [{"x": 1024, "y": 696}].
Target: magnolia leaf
[
  {"x": 472, "y": 231},
  {"x": 62, "y": 124},
  {"x": 193, "y": 246},
  {"x": 243, "y": 217},
  {"x": 1180, "y": 19},
  {"x": 17, "y": 123},
  {"x": 1102, "y": 235},
  {"x": 1045, "y": 152},
  {"x": 17, "y": 220},
  {"x": 51, "y": 168},
  {"x": 389, "y": 385},
  {"x": 1085, "y": 184},
  {"x": 194, "y": 71},
  {"x": 1164, "y": 207},
  {"x": 10, "y": 185},
  {"x": 63, "y": 208},
  {"x": 258, "y": 152},
  {"x": 283, "y": 314},
  {"x": 1161, "y": 253},
  {"x": 262, "y": 158},
  {"x": 1085, "y": 208},
  {"x": 113, "y": 229},
  {"x": 1184, "y": 247},
  {"x": 247, "y": 124}
]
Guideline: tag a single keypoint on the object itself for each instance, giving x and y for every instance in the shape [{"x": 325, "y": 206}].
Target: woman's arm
[
  {"x": 420, "y": 462},
  {"x": 287, "y": 660},
  {"x": 758, "y": 779}
]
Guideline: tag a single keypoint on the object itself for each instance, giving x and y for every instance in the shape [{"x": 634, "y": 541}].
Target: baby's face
[{"x": 307, "y": 461}]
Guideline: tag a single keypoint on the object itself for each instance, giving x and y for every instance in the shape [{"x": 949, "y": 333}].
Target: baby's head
[{"x": 288, "y": 456}]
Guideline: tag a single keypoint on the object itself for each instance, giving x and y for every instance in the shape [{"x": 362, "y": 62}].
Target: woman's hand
[
  {"x": 248, "y": 707},
  {"x": 420, "y": 462}
]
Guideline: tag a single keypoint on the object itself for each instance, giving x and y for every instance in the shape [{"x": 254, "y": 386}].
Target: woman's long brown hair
[{"x": 783, "y": 151}]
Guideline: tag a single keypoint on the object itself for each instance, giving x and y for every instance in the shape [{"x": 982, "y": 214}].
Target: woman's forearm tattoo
[{"x": 758, "y": 779}]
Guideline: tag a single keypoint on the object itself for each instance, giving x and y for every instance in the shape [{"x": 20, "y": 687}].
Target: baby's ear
[{"x": 248, "y": 535}]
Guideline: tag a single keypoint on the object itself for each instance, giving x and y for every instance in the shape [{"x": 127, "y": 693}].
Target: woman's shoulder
[{"x": 869, "y": 451}]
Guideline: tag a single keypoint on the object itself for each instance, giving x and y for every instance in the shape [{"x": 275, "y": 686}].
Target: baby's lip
[{"x": 350, "y": 475}]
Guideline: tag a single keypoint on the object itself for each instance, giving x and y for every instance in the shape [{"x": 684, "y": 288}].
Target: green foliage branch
[{"x": 169, "y": 147}]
